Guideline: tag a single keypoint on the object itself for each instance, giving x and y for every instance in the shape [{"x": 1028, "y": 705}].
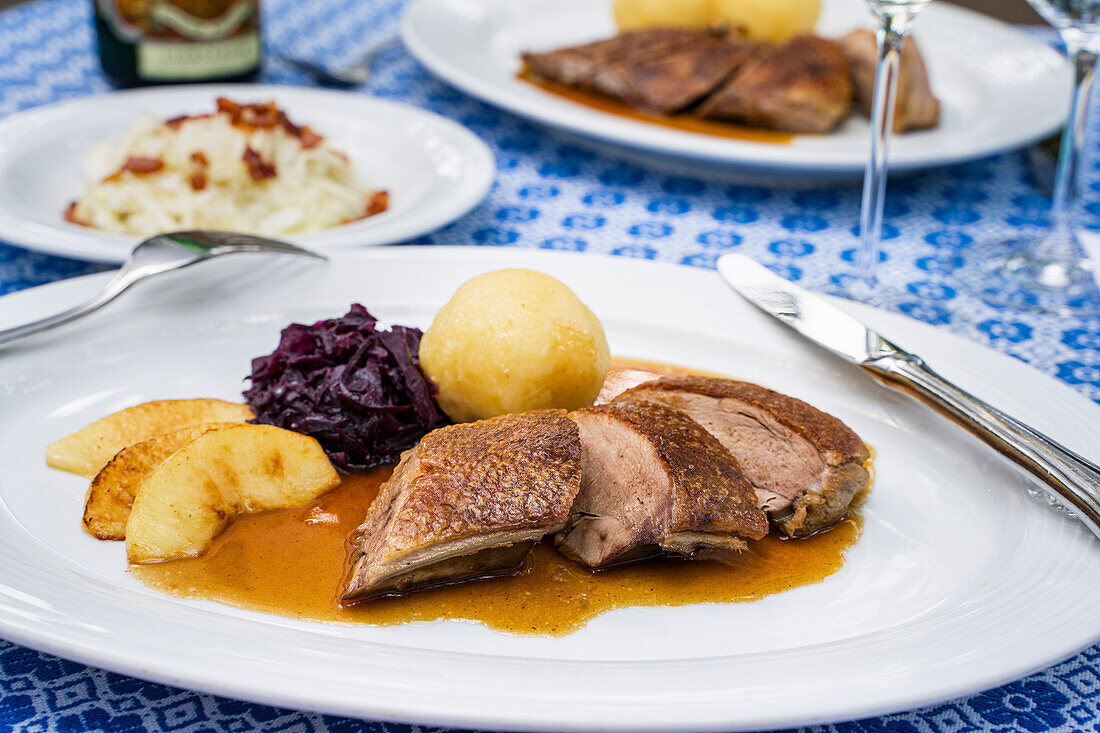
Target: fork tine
[{"x": 211, "y": 241}]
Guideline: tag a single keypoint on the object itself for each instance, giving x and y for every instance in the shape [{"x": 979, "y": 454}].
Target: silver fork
[
  {"x": 355, "y": 75},
  {"x": 157, "y": 255}
]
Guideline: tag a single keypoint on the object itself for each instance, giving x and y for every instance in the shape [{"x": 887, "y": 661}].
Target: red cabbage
[{"x": 357, "y": 389}]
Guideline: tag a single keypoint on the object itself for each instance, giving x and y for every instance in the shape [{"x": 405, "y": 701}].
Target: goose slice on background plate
[
  {"x": 803, "y": 85},
  {"x": 468, "y": 502},
  {"x": 917, "y": 107},
  {"x": 806, "y": 466},
  {"x": 672, "y": 82},
  {"x": 655, "y": 481},
  {"x": 578, "y": 65}
]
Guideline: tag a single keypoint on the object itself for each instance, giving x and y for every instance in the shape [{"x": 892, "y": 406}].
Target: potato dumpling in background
[
  {"x": 513, "y": 340},
  {"x": 765, "y": 20},
  {"x": 634, "y": 14}
]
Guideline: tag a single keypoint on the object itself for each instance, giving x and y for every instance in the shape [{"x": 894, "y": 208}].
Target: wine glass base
[{"x": 1027, "y": 283}]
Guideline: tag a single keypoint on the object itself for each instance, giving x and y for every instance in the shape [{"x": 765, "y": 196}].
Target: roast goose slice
[
  {"x": 469, "y": 501},
  {"x": 655, "y": 481},
  {"x": 805, "y": 465}
]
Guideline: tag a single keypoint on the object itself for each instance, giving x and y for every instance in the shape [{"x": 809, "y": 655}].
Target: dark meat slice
[
  {"x": 654, "y": 481},
  {"x": 805, "y": 465},
  {"x": 469, "y": 501},
  {"x": 671, "y": 83},
  {"x": 803, "y": 85},
  {"x": 917, "y": 108},
  {"x": 577, "y": 65}
]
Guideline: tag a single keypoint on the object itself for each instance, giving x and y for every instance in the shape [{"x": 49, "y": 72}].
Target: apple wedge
[
  {"x": 107, "y": 504},
  {"x": 189, "y": 498},
  {"x": 88, "y": 450}
]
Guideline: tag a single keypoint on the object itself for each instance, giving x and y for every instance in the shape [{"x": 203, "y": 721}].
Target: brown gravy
[
  {"x": 685, "y": 122},
  {"x": 292, "y": 562}
]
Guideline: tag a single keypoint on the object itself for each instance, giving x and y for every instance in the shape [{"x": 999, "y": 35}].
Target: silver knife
[{"x": 1074, "y": 479}]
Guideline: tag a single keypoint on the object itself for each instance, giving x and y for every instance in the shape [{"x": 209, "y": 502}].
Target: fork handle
[
  {"x": 1075, "y": 479},
  {"x": 110, "y": 291}
]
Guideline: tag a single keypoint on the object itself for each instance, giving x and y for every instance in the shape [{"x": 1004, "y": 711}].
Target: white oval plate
[
  {"x": 1000, "y": 89},
  {"x": 960, "y": 581},
  {"x": 435, "y": 169}
]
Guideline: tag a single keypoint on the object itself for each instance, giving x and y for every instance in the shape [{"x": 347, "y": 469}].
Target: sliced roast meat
[
  {"x": 620, "y": 379},
  {"x": 805, "y": 465},
  {"x": 803, "y": 85},
  {"x": 469, "y": 501},
  {"x": 577, "y": 65},
  {"x": 655, "y": 481},
  {"x": 672, "y": 82},
  {"x": 917, "y": 107}
]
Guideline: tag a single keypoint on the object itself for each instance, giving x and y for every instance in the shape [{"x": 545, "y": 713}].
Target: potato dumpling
[
  {"x": 767, "y": 20},
  {"x": 510, "y": 341},
  {"x": 634, "y": 14}
]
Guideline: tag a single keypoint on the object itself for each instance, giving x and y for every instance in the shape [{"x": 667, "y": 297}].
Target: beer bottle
[{"x": 174, "y": 41}]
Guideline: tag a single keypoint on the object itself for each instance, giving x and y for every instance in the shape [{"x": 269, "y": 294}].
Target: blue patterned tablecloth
[{"x": 552, "y": 194}]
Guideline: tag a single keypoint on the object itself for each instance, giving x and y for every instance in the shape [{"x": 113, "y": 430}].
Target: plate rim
[
  {"x": 65, "y": 240},
  {"x": 685, "y": 145},
  {"x": 39, "y": 297}
]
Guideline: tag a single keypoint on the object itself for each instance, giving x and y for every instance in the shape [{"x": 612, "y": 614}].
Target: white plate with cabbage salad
[{"x": 90, "y": 178}]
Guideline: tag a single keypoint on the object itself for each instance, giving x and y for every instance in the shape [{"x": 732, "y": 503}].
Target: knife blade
[{"x": 1074, "y": 480}]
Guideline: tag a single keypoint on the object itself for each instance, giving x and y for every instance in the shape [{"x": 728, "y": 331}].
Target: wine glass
[
  {"x": 1051, "y": 274},
  {"x": 894, "y": 18}
]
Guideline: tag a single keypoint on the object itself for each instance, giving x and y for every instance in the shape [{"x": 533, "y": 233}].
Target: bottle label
[
  {"x": 183, "y": 61},
  {"x": 201, "y": 29},
  {"x": 186, "y": 40}
]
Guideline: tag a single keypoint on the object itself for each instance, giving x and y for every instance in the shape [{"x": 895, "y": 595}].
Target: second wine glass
[{"x": 1051, "y": 274}]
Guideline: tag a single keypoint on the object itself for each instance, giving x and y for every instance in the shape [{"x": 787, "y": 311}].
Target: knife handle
[{"x": 1075, "y": 479}]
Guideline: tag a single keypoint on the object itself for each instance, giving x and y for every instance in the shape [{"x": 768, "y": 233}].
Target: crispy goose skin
[
  {"x": 805, "y": 465},
  {"x": 469, "y": 501},
  {"x": 577, "y": 65},
  {"x": 654, "y": 480},
  {"x": 669, "y": 84},
  {"x": 803, "y": 85},
  {"x": 917, "y": 107}
]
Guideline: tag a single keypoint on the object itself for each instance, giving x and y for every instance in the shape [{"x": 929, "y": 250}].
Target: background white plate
[
  {"x": 435, "y": 169},
  {"x": 960, "y": 582},
  {"x": 1000, "y": 89}
]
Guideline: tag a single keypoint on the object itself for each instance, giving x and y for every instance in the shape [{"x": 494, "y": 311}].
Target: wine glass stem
[
  {"x": 890, "y": 36},
  {"x": 1058, "y": 245}
]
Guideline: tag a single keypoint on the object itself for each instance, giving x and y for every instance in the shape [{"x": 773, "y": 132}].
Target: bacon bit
[
  {"x": 258, "y": 168},
  {"x": 228, "y": 106},
  {"x": 309, "y": 138},
  {"x": 136, "y": 165},
  {"x": 289, "y": 126},
  {"x": 142, "y": 165},
  {"x": 198, "y": 181},
  {"x": 176, "y": 122},
  {"x": 264, "y": 115},
  {"x": 71, "y": 217},
  {"x": 199, "y": 157},
  {"x": 377, "y": 202}
]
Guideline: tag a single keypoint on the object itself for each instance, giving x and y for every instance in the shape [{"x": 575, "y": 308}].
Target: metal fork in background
[
  {"x": 355, "y": 75},
  {"x": 157, "y": 255}
]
